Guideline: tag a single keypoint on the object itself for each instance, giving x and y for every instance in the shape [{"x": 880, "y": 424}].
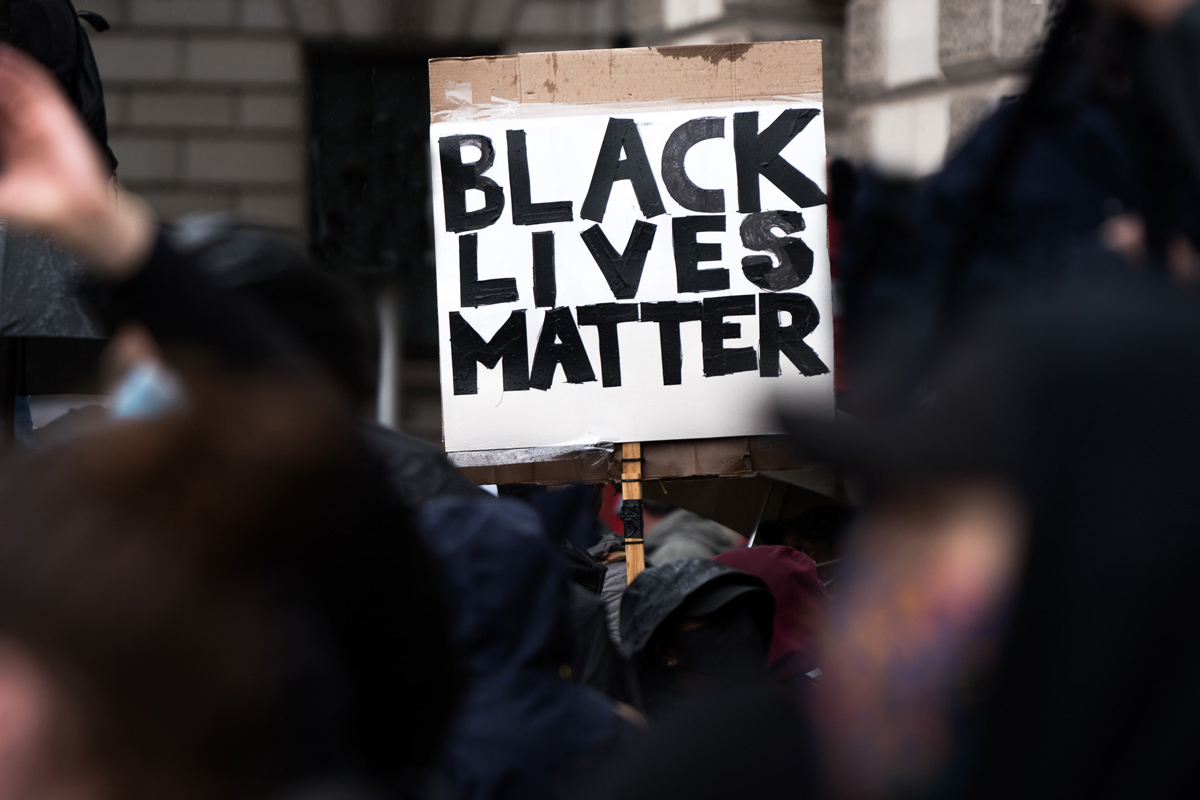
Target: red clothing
[{"x": 800, "y": 603}]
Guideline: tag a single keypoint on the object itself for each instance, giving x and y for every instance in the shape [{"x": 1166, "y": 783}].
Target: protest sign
[{"x": 631, "y": 244}]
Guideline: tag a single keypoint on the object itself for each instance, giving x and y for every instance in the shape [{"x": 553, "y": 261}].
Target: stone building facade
[
  {"x": 208, "y": 100},
  {"x": 920, "y": 73}
]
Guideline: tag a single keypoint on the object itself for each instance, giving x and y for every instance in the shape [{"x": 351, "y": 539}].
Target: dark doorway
[{"x": 370, "y": 214}]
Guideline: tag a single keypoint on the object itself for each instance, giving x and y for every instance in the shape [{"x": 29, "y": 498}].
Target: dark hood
[
  {"x": 660, "y": 591},
  {"x": 521, "y": 726},
  {"x": 800, "y": 603},
  {"x": 507, "y": 586},
  {"x": 418, "y": 469}
]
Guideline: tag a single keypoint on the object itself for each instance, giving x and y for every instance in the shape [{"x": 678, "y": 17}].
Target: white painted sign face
[{"x": 631, "y": 276}]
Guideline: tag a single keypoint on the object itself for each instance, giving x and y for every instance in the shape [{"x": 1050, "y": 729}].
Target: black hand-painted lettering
[
  {"x": 545, "y": 283},
  {"x": 458, "y": 178},
  {"x": 689, "y": 253},
  {"x": 714, "y": 330},
  {"x": 669, "y": 316},
  {"x": 524, "y": 210},
  {"x": 795, "y": 257},
  {"x": 560, "y": 343},
  {"x": 675, "y": 177},
  {"x": 759, "y": 154},
  {"x": 606, "y": 317},
  {"x": 775, "y": 338},
  {"x": 623, "y": 271},
  {"x": 468, "y": 348},
  {"x": 622, "y": 136},
  {"x": 473, "y": 292}
]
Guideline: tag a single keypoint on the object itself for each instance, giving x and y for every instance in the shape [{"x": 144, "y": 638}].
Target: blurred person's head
[
  {"x": 816, "y": 532},
  {"x": 693, "y": 626},
  {"x": 138, "y": 642},
  {"x": 653, "y": 512},
  {"x": 327, "y": 315},
  {"x": 570, "y": 512},
  {"x": 1027, "y": 551}
]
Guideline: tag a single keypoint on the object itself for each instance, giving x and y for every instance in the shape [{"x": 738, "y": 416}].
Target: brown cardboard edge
[
  {"x": 738, "y": 456},
  {"x": 694, "y": 73}
]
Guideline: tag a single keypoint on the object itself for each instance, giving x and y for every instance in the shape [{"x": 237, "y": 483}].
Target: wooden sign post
[
  {"x": 631, "y": 510},
  {"x": 631, "y": 247}
]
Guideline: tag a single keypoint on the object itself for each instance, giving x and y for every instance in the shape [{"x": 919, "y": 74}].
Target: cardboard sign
[{"x": 616, "y": 265}]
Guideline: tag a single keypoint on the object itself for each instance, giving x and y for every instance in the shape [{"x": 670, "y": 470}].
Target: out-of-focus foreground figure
[
  {"x": 139, "y": 642},
  {"x": 252, "y": 484},
  {"x": 1016, "y": 605}
]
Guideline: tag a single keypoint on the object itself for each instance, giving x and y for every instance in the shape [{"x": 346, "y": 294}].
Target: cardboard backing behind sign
[
  {"x": 701, "y": 73},
  {"x": 540, "y": 84}
]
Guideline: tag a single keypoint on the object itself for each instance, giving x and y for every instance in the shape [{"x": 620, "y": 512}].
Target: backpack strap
[{"x": 99, "y": 24}]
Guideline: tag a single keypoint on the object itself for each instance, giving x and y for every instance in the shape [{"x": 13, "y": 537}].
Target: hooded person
[
  {"x": 522, "y": 729},
  {"x": 692, "y": 627},
  {"x": 1017, "y": 607},
  {"x": 673, "y": 533},
  {"x": 801, "y": 604}
]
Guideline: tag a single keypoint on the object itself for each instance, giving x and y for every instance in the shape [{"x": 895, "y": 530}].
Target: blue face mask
[{"x": 148, "y": 390}]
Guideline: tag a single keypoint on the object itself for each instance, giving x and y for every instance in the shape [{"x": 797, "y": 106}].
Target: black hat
[{"x": 694, "y": 587}]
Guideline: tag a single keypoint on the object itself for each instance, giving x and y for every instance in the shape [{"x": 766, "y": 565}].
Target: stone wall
[
  {"x": 206, "y": 99},
  {"x": 921, "y": 73}
]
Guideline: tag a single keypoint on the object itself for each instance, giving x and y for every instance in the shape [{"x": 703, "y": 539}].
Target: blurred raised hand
[{"x": 53, "y": 181}]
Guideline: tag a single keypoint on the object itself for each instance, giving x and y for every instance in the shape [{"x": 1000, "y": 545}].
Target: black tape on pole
[
  {"x": 468, "y": 349},
  {"x": 473, "y": 292},
  {"x": 524, "y": 210},
  {"x": 674, "y": 174},
  {"x": 631, "y": 520},
  {"x": 714, "y": 330},
  {"x": 560, "y": 343},
  {"x": 623, "y": 271},
  {"x": 622, "y": 136},
  {"x": 458, "y": 178},
  {"x": 669, "y": 316},
  {"x": 794, "y": 256},
  {"x": 758, "y": 153},
  {"x": 689, "y": 253},
  {"x": 545, "y": 283},
  {"x": 775, "y": 338},
  {"x": 606, "y": 317}
]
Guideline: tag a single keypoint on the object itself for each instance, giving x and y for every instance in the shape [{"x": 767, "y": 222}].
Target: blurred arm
[{"x": 54, "y": 183}]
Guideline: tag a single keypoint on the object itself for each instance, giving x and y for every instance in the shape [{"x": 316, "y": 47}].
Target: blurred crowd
[{"x": 224, "y": 583}]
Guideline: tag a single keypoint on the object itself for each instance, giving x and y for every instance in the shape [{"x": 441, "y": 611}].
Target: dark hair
[
  {"x": 326, "y": 313},
  {"x": 132, "y": 569}
]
